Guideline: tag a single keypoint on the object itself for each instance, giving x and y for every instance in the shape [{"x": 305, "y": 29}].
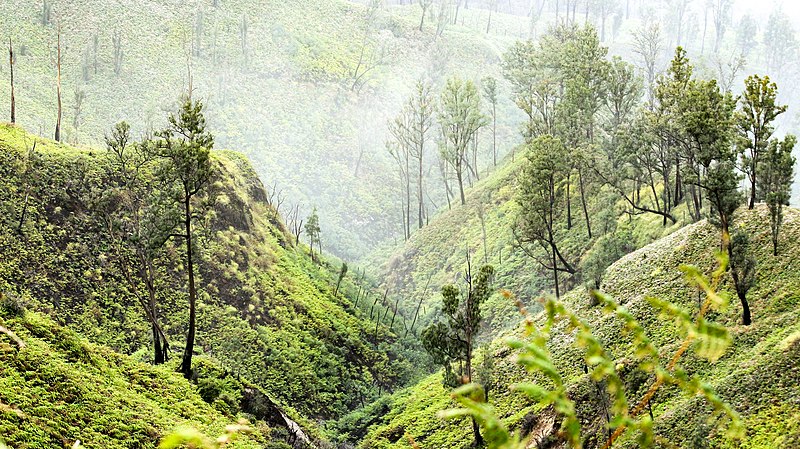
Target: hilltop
[{"x": 755, "y": 376}]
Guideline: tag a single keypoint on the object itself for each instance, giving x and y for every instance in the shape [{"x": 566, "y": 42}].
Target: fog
[{"x": 281, "y": 81}]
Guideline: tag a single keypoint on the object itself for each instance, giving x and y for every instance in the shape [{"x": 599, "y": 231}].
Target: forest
[{"x": 376, "y": 224}]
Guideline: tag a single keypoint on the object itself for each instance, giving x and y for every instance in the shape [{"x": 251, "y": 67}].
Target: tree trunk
[
  {"x": 420, "y": 213},
  {"x": 460, "y": 177},
  {"x": 585, "y": 207},
  {"x": 13, "y": 101},
  {"x": 186, "y": 363},
  {"x": 569, "y": 206},
  {"x": 753, "y": 183},
  {"x": 494, "y": 133},
  {"x": 555, "y": 270},
  {"x": 57, "y": 136}
]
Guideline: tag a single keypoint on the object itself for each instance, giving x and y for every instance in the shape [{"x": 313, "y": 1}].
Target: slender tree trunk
[
  {"x": 753, "y": 166},
  {"x": 746, "y": 318},
  {"x": 186, "y": 363},
  {"x": 569, "y": 205},
  {"x": 420, "y": 213},
  {"x": 408, "y": 197},
  {"x": 460, "y": 177},
  {"x": 13, "y": 101},
  {"x": 494, "y": 133},
  {"x": 57, "y": 136},
  {"x": 585, "y": 207}
]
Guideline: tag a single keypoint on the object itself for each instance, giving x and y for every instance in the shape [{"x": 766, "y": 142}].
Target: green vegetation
[
  {"x": 56, "y": 388},
  {"x": 618, "y": 174},
  {"x": 754, "y": 376},
  {"x": 264, "y": 308}
]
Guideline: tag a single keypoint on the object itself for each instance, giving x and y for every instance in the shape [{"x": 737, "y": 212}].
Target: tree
[
  {"x": 743, "y": 271},
  {"x": 721, "y": 11},
  {"x": 758, "y": 111},
  {"x": 746, "y": 32},
  {"x": 490, "y": 95},
  {"x": 707, "y": 118},
  {"x": 136, "y": 224},
  {"x": 185, "y": 149},
  {"x": 780, "y": 42},
  {"x": 57, "y": 136},
  {"x": 647, "y": 43},
  {"x": 776, "y": 174},
  {"x": 424, "y": 4},
  {"x": 534, "y": 85},
  {"x": 11, "y": 63},
  {"x": 460, "y": 118},
  {"x": 541, "y": 200},
  {"x": 116, "y": 42},
  {"x": 410, "y": 130},
  {"x": 453, "y": 341},
  {"x": 313, "y": 232},
  {"x": 342, "y": 274}
]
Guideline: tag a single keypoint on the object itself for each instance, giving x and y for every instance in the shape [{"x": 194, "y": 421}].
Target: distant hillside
[
  {"x": 277, "y": 77},
  {"x": 265, "y": 308},
  {"x": 437, "y": 254},
  {"x": 757, "y": 376}
]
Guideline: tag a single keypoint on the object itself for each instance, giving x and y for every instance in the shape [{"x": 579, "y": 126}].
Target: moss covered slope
[
  {"x": 57, "y": 388},
  {"x": 266, "y": 311},
  {"x": 758, "y": 376}
]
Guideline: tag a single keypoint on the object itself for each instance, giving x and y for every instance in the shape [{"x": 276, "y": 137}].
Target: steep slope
[
  {"x": 266, "y": 311},
  {"x": 757, "y": 376},
  {"x": 437, "y": 254},
  {"x": 57, "y": 388},
  {"x": 277, "y": 77}
]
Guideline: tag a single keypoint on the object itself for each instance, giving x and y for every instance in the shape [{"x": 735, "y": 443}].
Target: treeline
[{"x": 685, "y": 149}]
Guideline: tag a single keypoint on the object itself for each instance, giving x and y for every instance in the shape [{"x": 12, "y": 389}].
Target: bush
[{"x": 12, "y": 305}]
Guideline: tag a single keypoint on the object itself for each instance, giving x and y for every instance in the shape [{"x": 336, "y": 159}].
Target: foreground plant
[{"x": 707, "y": 339}]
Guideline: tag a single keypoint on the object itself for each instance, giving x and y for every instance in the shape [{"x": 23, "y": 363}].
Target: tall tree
[
  {"x": 647, "y": 43},
  {"x": 776, "y": 174},
  {"x": 421, "y": 106},
  {"x": 460, "y": 118},
  {"x": 489, "y": 85},
  {"x": 758, "y": 110},
  {"x": 541, "y": 200},
  {"x": 313, "y": 232},
  {"x": 721, "y": 11},
  {"x": 743, "y": 271},
  {"x": 57, "y": 136},
  {"x": 11, "y": 64},
  {"x": 185, "y": 148},
  {"x": 137, "y": 225},
  {"x": 780, "y": 42},
  {"x": 425, "y": 4},
  {"x": 454, "y": 341}
]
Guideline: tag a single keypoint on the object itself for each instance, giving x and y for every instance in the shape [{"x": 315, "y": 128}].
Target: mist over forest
[{"x": 399, "y": 224}]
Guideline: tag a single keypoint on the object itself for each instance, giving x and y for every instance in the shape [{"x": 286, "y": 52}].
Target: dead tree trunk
[
  {"x": 57, "y": 136},
  {"x": 11, "y": 60}
]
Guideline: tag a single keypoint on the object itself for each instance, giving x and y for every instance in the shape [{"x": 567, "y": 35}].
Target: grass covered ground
[
  {"x": 265, "y": 309},
  {"x": 757, "y": 376},
  {"x": 56, "y": 388}
]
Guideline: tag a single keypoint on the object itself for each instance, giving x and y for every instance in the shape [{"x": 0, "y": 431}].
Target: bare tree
[
  {"x": 425, "y": 4},
  {"x": 57, "y": 136},
  {"x": 116, "y": 41},
  {"x": 11, "y": 62},
  {"x": 647, "y": 43}
]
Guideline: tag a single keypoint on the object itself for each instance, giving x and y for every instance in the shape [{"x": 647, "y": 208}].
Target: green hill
[
  {"x": 437, "y": 254},
  {"x": 276, "y": 77},
  {"x": 757, "y": 376},
  {"x": 56, "y": 388},
  {"x": 265, "y": 308}
]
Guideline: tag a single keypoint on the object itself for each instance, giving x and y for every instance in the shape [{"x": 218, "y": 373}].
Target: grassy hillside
[
  {"x": 757, "y": 376},
  {"x": 265, "y": 308},
  {"x": 277, "y": 78},
  {"x": 436, "y": 255},
  {"x": 57, "y": 388}
]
